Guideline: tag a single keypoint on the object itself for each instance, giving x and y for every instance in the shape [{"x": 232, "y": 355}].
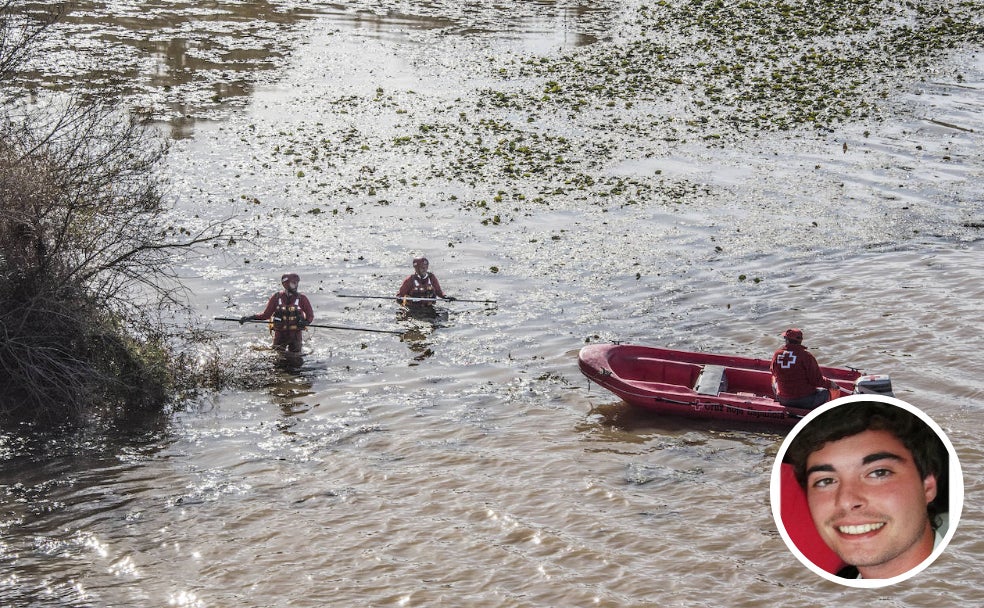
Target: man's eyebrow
[
  {"x": 829, "y": 468},
  {"x": 881, "y": 456},
  {"x": 820, "y": 468}
]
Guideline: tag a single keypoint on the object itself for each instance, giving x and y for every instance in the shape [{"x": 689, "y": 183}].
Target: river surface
[{"x": 467, "y": 462}]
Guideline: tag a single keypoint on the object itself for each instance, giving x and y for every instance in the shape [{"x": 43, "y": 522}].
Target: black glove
[
  {"x": 302, "y": 323},
  {"x": 450, "y": 298},
  {"x": 246, "y": 318}
]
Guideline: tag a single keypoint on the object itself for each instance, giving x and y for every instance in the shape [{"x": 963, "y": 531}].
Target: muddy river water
[{"x": 468, "y": 463}]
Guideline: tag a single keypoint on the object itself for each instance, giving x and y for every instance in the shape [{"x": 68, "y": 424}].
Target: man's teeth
[{"x": 861, "y": 529}]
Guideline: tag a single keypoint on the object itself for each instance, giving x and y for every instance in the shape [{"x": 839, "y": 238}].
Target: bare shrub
[
  {"x": 21, "y": 25},
  {"x": 86, "y": 258}
]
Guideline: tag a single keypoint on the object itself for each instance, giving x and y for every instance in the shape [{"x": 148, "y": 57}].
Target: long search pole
[
  {"x": 409, "y": 299},
  {"x": 346, "y": 327}
]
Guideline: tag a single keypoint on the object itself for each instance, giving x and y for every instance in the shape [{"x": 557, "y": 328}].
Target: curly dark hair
[{"x": 928, "y": 451}]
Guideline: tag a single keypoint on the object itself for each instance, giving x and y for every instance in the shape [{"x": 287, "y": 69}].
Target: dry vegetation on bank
[{"x": 85, "y": 256}]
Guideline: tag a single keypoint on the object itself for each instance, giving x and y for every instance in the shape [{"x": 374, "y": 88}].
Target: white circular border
[{"x": 955, "y": 481}]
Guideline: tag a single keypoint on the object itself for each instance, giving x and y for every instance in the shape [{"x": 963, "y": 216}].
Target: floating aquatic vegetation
[
  {"x": 752, "y": 66},
  {"x": 532, "y": 130}
]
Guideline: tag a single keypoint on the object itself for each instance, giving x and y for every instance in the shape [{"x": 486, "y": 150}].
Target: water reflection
[
  {"x": 182, "y": 62},
  {"x": 382, "y": 24},
  {"x": 617, "y": 422},
  {"x": 171, "y": 62},
  {"x": 539, "y": 24},
  {"x": 422, "y": 324},
  {"x": 291, "y": 385},
  {"x": 288, "y": 378}
]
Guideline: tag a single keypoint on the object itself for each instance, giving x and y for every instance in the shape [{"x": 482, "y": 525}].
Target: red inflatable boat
[{"x": 704, "y": 385}]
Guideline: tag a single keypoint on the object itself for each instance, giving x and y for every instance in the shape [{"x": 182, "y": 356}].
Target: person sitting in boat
[
  {"x": 290, "y": 312},
  {"x": 421, "y": 284},
  {"x": 796, "y": 376}
]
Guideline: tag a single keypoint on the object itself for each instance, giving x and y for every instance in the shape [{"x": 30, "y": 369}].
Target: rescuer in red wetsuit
[
  {"x": 421, "y": 284},
  {"x": 796, "y": 375},
  {"x": 290, "y": 312}
]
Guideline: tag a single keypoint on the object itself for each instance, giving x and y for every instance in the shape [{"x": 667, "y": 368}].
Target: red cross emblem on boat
[{"x": 786, "y": 359}]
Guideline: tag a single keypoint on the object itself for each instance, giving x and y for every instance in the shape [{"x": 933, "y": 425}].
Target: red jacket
[
  {"x": 286, "y": 309},
  {"x": 415, "y": 286},
  {"x": 796, "y": 372}
]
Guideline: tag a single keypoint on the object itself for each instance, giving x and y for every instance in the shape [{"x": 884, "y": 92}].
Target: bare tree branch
[
  {"x": 21, "y": 29},
  {"x": 87, "y": 253}
]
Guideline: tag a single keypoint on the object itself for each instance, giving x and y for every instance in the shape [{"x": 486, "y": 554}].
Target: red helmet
[
  {"x": 289, "y": 277},
  {"x": 793, "y": 335},
  {"x": 419, "y": 261}
]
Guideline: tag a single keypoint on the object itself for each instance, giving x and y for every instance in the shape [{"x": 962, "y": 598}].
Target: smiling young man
[{"x": 874, "y": 476}]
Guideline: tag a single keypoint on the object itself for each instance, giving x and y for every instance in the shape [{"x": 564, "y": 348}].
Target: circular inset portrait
[{"x": 866, "y": 491}]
